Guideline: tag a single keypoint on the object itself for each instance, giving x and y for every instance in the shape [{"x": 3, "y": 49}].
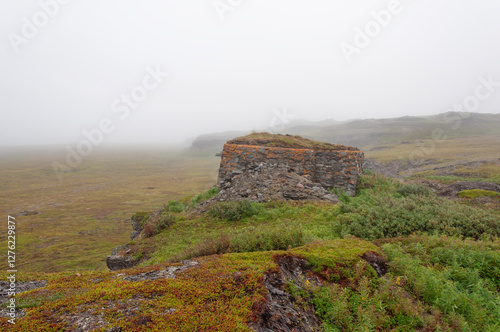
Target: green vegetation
[
  {"x": 175, "y": 207},
  {"x": 384, "y": 209},
  {"x": 453, "y": 178},
  {"x": 83, "y": 217},
  {"x": 488, "y": 171},
  {"x": 381, "y": 305},
  {"x": 259, "y": 238},
  {"x": 443, "y": 256},
  {"x": 434, "y": 284},
  {"x": 141, "y": 217},
  {"x": 461, "y": 278},
  {"x": 414, "y": 189},
  {"x": 204, "y": 196},
  {"x": 233, "y": 211},
  {"x": 475, "y": 193},
  {"x": 187, "y": 202},
  {"x": 157, "y": 224},
  {"x": 285, "y": 141}
]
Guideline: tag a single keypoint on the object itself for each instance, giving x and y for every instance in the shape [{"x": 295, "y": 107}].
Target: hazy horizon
[{"x": 166, "y": 72}]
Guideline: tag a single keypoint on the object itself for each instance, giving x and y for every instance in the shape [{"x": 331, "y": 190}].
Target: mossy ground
[
  {"x": 475, "y": 193},
  {"x": 285, "y": 141},
  {"x": 219, "y": 294}
]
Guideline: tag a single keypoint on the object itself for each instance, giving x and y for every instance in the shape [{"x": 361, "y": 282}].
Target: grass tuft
[{"x": 233, "y": 211}]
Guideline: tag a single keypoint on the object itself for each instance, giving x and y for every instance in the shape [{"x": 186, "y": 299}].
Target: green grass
[
  {"x": 250, "y": 239},
  {"x": 475, "y": 193},
  {"x": 453, "y": 178},
  {"x": 233, "y": 211},
  {"x": 444, "y": 256},
  {"x": 87, "y": 214},
  {"x": 447, "y": 280},
  {"x": 193, "y": 234},
  {"x": 461, "y": 278},
  {"x": 489, "y": 171},
  {"x": 383, "y": 208}
]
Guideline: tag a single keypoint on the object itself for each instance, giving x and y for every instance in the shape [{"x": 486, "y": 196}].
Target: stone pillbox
[{"x": 332, "y": 166}]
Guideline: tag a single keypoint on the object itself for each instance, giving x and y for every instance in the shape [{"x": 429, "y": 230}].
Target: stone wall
[{"x": 330, "y": 168}]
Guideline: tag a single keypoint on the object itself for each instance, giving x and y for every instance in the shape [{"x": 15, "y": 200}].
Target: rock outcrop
[
  {"x": 270, "y": 182},
  {"x": 120, "y": 262},
  {"x": 332, "y": 166}
]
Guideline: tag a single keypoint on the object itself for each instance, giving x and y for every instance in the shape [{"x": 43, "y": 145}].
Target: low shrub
[
  {"x": 341, "y": 195},
  {"x": 384, "y": 208},
  {"x": 141, "y": 217},
  {"x": 458, "y": 280},
  {"x": 175, "y": 207},
  {"x": 156, "y": 225},
  {"x": 414, "y": 189},
  {"x": 379, "y": 306},
  {"x": 234, "y": 210},
  {"x": 204, "y": 196},
  {"x": 388, "y": 216},
  {"x": 263, "y": 238}
]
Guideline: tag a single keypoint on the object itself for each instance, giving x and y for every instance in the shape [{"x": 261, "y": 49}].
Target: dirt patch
[
  {"x": 84, "y": 321},
  {"x": 21, "y": 287},
  {"x": 281, "y": 311},
  {"x": 169, "y": 273},
  {"x": 89, "y": 317}
]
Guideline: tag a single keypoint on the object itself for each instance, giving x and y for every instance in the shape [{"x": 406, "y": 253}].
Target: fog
[{"x": 123, "y": 71}]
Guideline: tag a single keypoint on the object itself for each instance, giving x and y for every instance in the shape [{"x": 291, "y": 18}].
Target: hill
[
  {"x": 414, "y": 142},
  {"x": 395, "y": 257},
  {"x": 418, "y": 253}
]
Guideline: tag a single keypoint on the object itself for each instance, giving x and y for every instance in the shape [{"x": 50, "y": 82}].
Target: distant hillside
[
  {"x": 407, "y": 145},
  {"x": 375, "y": 134}
]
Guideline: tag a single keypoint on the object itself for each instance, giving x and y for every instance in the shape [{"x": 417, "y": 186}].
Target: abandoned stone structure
[{"x": 337, "y": 166}]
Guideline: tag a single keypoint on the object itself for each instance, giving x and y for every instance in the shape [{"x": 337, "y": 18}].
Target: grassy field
[
  {"x": 84, "y": 216},
  {"x": 442, "y": 274}
]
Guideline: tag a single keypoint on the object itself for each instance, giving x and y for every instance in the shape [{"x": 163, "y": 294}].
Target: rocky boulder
[{"x": 270, "y": 182}]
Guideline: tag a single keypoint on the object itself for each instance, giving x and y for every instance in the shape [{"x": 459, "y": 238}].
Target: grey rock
[{"x": 117, "y": 262}]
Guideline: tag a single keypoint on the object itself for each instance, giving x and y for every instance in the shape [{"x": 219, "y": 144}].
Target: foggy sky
[{"x": 232, "y": 64}]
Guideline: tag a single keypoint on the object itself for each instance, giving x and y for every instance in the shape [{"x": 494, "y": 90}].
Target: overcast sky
[{"x": 84, "y": 65}]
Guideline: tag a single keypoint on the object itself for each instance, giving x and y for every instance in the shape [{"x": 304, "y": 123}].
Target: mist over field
[
  {"x": 166, "y": 72},
  {"x": 259, "y": 165}
]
